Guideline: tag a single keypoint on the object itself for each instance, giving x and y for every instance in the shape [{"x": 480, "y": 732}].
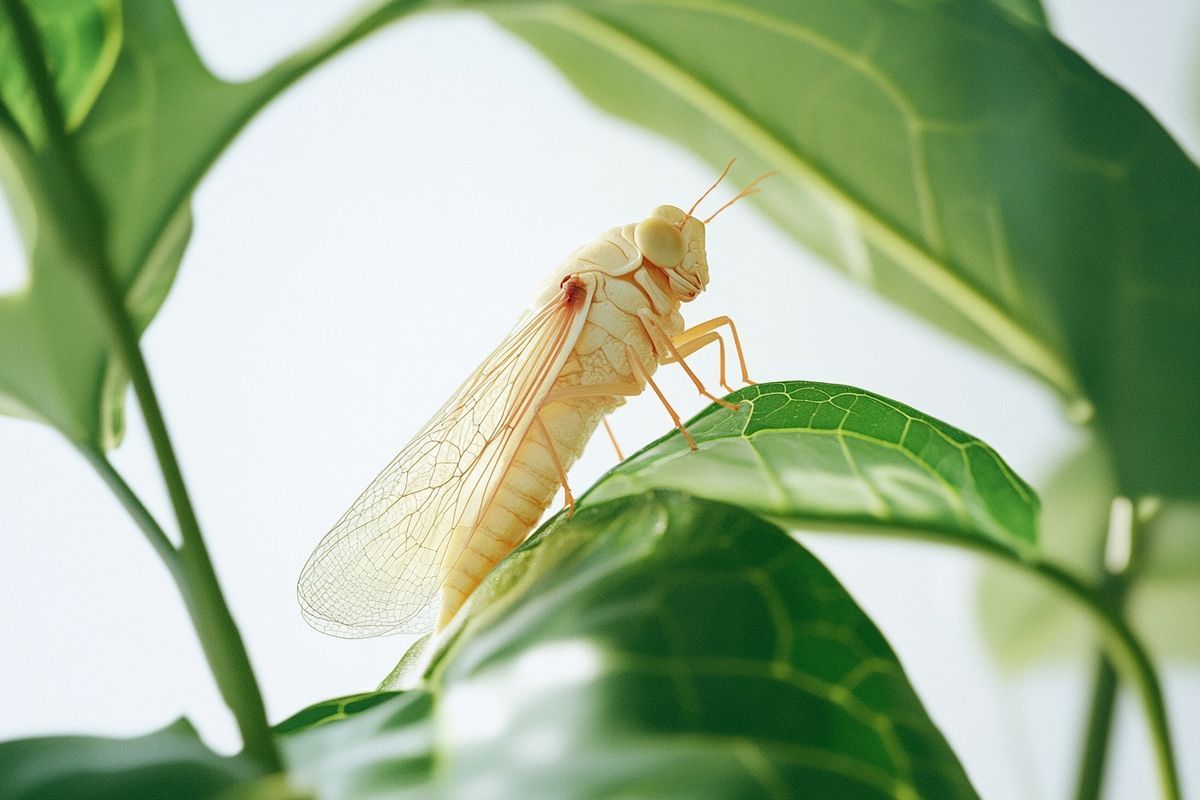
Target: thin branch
[
  {"x": 133, "y": 504},
  {"x": 82, "y": 218}
]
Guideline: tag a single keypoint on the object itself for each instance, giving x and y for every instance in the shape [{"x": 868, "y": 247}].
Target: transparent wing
[{"x": 379, "y": 569}]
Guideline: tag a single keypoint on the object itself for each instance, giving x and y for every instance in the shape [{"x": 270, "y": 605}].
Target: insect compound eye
[{"x": 661, "y": 242}]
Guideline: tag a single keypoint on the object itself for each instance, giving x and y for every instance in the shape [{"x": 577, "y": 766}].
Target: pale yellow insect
[{"x": 474, "y": 481}]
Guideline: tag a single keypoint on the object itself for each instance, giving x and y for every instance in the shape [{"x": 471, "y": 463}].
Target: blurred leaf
[
  {"x": 818, "y": 454},
  {"x": 158, "y": 121},
  {"x": 81, "y": 41},
  {"x": 1025, "y": 622},
  {"x": 331, "y": 711},
  {"x": 966, "y": 165},
  {"x": 653, "y": 646},
  {"x": 1027, "y": 10},
  {"x": 172, "y": 764},
  {"x": 385, "y": 751}
]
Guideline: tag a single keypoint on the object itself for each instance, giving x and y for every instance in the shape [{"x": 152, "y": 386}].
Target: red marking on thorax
[{"x": 574, "y": 288}]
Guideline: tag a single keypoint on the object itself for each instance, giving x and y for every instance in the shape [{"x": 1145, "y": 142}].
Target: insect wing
[{"x": 379, "y": 569}]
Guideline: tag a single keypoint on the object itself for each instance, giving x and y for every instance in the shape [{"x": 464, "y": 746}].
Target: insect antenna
[
  {"x": 707, "y": 192},
  {"x": 751, "y": 188}
]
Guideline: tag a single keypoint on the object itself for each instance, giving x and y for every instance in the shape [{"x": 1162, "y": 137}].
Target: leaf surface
[{"x": 818, "y": 454}]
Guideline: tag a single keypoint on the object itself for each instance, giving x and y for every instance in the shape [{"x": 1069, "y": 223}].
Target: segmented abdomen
[
  {"x": 531, "y": 479},
  {"x": 524, "y": 493}
]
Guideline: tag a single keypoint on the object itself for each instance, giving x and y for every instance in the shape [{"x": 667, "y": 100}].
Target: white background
[{"x": 357, "y": 251}]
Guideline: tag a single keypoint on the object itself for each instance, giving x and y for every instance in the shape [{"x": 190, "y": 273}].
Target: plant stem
[
  {"x": 81, "y": 217},
  {"x": 1099, "y": 730},
  {"x": 215, "y": 626},
  {"x": 141, "y": 515},
  {"x": 1122, "y": 545},
  {"x": 1126, "y": 652}
]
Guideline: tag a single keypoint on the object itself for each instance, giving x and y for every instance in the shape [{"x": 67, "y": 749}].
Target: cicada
[{"x": 474, "y": 481}]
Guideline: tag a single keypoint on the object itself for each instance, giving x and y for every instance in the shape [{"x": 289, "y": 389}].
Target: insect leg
[
  {"x": 697, "y": 331},
  {"x": 594, "y": 390},
  {"x": 698, "y": 344},
  {"x": 612, "y": 438},
  {"x": 638, "y": 367},
  {"x": 562, "y": 474},
  {"x": 652, "y": 324}
]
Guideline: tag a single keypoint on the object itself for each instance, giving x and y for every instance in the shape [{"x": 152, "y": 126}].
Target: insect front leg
[
  {"x": 660, "y": 336},
  {"x": 698, "y": 344},
  {"x": 697, "y": 331}
]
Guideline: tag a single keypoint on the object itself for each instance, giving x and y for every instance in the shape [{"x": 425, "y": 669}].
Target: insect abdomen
[{"x": 523, "y": 495}]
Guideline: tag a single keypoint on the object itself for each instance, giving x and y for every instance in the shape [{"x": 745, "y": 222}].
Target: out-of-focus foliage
[
  {"x": 171, "y": 763},
  {"x": 655, "y": 645},
  {"x": 1026, "y": 622}
]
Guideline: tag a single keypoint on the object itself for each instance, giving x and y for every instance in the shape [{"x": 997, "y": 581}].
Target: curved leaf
[
  {"x": 965, "y": 165},
  {"x": 818, "y": 454},
  {"x": 654, "y": 646},
  {"x": 171, "y": 763}
]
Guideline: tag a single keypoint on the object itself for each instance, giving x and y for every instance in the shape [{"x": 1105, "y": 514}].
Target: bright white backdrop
[{"x": 357, "y": 252}]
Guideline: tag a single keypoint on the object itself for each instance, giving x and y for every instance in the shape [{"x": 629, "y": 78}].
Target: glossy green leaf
[
  {"x": 1026, "y": 622},
  {"x": 150, "y": 124},
  {"x": 171, "y": 764},
  {"x": 964, "y": 164},
  {"x": 818, "y": 455},
  {"x": 654, "y": 646}
]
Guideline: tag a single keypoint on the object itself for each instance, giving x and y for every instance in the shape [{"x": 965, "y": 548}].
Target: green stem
[
  {"x": 81, "y": 216},
  {"x": 1123, "y": 543},
  {"x": 141, "y": 515},
  {"x": 1099, "y": 729},
  {"x": 215, "y": 626},
  {"x": 1126, "y": 651}
]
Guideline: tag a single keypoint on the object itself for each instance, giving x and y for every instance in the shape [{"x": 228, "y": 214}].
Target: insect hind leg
[{"x": 558, "y": 467}]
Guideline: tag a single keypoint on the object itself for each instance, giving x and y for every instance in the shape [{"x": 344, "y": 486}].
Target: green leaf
[
  {"x": 1026, "y": 622},
  {"x": 653, "y": 646},
  {"x": 331, "y": 711},
  {"x": 149, "y": 125},
  {"x": 960, "y": 162},
  {"x": 81, "y": 41},
  {"x": 1027, "y": 10},
  {"x": 171, "y": 764},
  {"x": 818, "y": 455}
]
